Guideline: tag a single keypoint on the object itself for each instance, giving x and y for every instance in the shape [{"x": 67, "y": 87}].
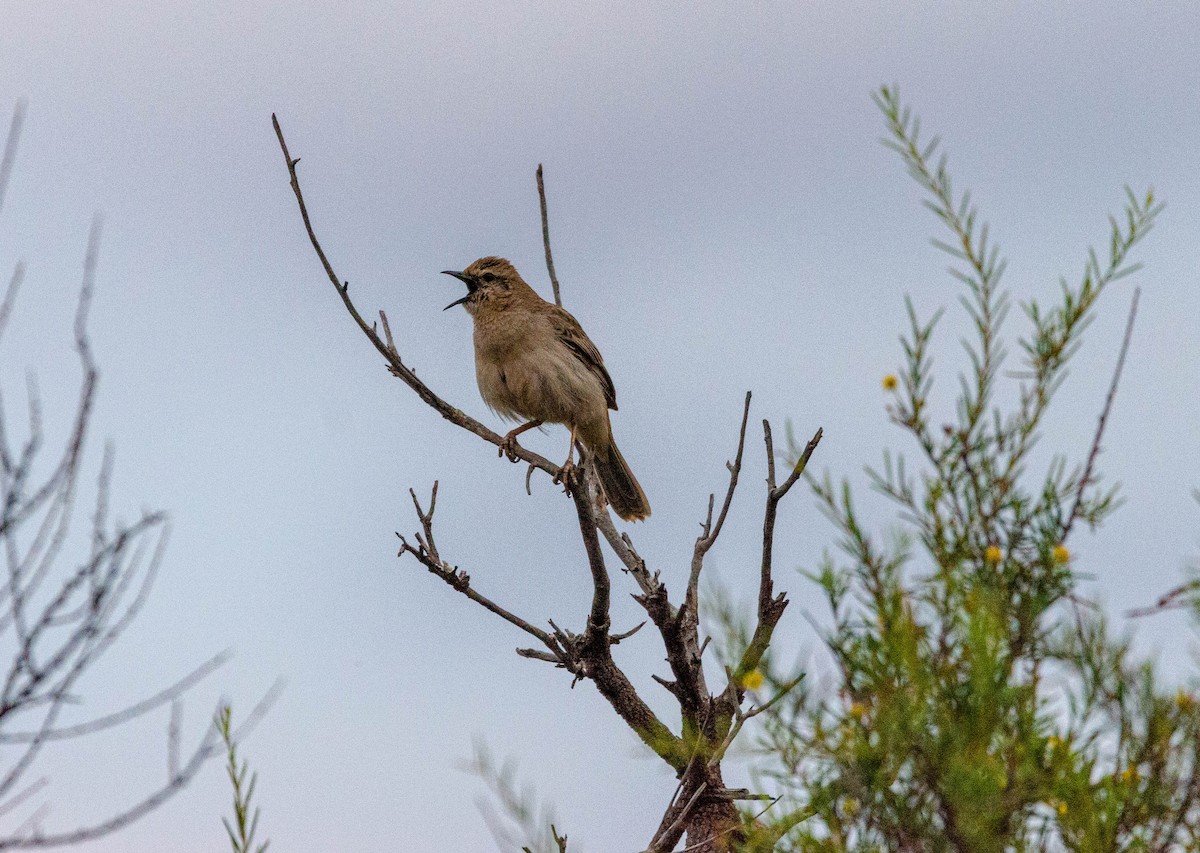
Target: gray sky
[{"x": 723, "y": 219}]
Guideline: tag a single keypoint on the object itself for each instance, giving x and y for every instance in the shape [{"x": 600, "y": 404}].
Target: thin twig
[
  {"x": 10, "y": 295},
  {"x": 10, "y": 148},
  {"x": 546, "y": 237},
  {"x": 395, "y": 364},
  {"x": 712, "y": 530},
  {"x": 770, "y": 606},
  {"x": 23, "y": 796},
  {"x": 129, "y": 713},
  {"x": 1086, "y": 479},
  {"x": 387, "y": 331},
  {"x": 677, "y": 824},
  {"x": 427, "y": 554},
  {"x": 208, "y": 747},
  {"x": 1175, "y": 599},
  {"x": 598, "y": 619}
]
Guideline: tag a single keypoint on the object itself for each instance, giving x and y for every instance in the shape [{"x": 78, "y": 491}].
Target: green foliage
[
  {"x": 983, "y": 705},
  {"x": 245, "y": 816}
]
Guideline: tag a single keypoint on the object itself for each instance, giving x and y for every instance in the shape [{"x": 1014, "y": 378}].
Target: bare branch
[
  {"x": 10, "y": 148},
  {"x": 426, "y": 554},
  {"x": 711, "y": 531},
  {"x": 387, "y": 331},
  {"x": 395, "y": 365},
  {"x": 1086, "y": 479},
  {"x": 62, "y": 480},
  {"x": 56, "y": 637},
  {"x": 20, "y": 797},
  {"x": 173, "y": 724},
  {"x": 598, "y": 620},
  {"x": 1175, "y": 599},
  {"x": 596, "y": 649},
  {"x": 706, "y": 720},
  {"x": 675, "y": 829},
  {"x": 622, "y": 546},
  {"x": 770, "y": 606},
  {"x": 546, "y": 237},
  {"x": 132, "y": 712},
  {"x": 209, "y": 746},
  {"x": 10, "y": 295},
  {"x": 625, "y": 635}
]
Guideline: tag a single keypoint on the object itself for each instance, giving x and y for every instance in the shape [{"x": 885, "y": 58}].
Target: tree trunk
[
  {"x": 714, "y": 824},
  {"x": 714, "y": 827}
]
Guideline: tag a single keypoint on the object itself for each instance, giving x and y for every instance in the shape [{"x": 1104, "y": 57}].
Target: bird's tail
[{"x": 622, "y": 489}]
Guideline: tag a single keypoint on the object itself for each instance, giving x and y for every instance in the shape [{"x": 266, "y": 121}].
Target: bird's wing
[{"x": 571, "y": 333}]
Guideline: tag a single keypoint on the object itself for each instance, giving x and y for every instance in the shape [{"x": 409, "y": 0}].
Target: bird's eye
[{"x": 487, "y": 276}]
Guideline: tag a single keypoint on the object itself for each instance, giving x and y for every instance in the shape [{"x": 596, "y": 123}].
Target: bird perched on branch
[{"x": 533, "y": 362}]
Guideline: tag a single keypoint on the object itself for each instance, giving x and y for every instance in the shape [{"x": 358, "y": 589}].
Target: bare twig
[
  {"x": 132, "y": 712},
  {"x": 679, "y": 628},
  {"x": 10, "y": 148},
  {"x": 1086, "y": 479},
  {"x": 622, "y": 546},
  {"x": 770, "y": 606},
  {"x": 546, "y": 237},
  {"x": 710, "y": 530},
  {"x": 10, "y": 295},
  {"x": 208, "y": 747},
  {"x": 426, "y": 554},
  {"x": 387, "y": 331},
  {"x": 674, "y": 829},
  {"x": 24, "y": 796},
  {"x": 395, "y": 365},
  {"x": 1175, "y": 599},
  {"x": 560, "y": 840},
  {"x": 613, "y": 639}
]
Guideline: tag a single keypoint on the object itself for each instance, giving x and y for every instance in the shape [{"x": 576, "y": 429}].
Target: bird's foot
[
  {"x": 568, "y": 476},
  {"x": 509, "y": 447}
]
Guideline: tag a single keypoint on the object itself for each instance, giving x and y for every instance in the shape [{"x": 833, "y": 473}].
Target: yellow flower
[
  {"x": 890, "y": 382},
  {"x": 1061, "y": 808},
  {"x": 858, "y": 710},
  {"x": 1129, "y": 774},
  {"x": 752, "y": 680},
  {"x": 1061, "y": 554},
  {"x": 993, "y": 554},
  {"x": 850, "y": 806}
]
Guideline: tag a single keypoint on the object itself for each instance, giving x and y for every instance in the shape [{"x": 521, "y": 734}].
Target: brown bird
[{"x": 533, "y": 362}]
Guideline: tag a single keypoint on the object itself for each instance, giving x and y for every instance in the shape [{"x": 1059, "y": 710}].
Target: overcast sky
[{"x": 724, "y": 219}]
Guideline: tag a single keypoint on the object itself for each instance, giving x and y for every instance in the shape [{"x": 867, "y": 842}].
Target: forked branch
[
  {"x": 703, "y": 806},
  {"x": 771, "y": 606},
  {"x": 426, "y": 553}
]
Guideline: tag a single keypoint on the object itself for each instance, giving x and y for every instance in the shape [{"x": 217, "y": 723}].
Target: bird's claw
[
  {"x": 509, "y": 447},
  {"x": 567, "y": 476}
]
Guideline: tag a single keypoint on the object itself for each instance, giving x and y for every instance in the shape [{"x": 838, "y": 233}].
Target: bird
[{"x": 534, "y": 362}]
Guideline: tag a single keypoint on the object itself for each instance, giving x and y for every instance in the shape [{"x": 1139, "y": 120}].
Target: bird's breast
[{"x": 525, "y": 371}]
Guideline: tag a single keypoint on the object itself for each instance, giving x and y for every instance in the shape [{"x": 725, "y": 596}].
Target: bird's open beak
[{"x": 465, "y": 279}]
